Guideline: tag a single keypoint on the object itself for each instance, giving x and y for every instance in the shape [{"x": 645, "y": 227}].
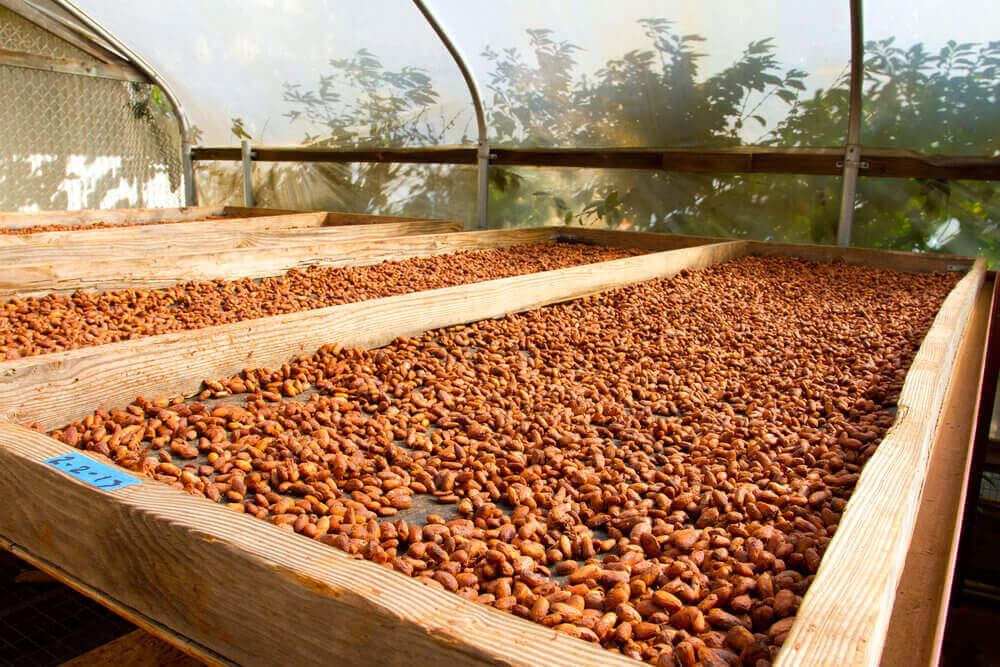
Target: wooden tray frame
[
  {"x": 178, "y": 362},
  {"x": 227, "y": 587}
]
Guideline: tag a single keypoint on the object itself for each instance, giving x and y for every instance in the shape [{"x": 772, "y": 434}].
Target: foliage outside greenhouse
[{"x": 934, "y": 102}]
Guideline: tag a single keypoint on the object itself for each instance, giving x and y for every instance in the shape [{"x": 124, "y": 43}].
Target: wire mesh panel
[
  {"x": 71, "y": 141},
  {"x": 46, "y": 623}
]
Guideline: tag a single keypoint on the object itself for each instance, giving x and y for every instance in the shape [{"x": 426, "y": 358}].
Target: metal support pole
[
  {"x": 852, "y": 154},
  {"x": 187, "y": 169},
  {"x": 483, "y": 150},
  {"x": 247, "y": 173}
]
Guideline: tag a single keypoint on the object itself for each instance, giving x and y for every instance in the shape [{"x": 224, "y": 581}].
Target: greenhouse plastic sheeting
[
  {"x": 666, "y": 73},
  {"x": 643, "y": 73},
  {"x": 416, "y": 190},
  {"x": 955, "y": 217},
  {"x": 932, "y": 77},
  {"x": 760, "y": 206},
  {"x": 287, "y": 72}
]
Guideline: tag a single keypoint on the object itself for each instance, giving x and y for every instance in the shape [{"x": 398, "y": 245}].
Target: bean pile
[
  {"x": 657, "y": 469},
  {"x": 52, "y": 323},
  {"x": 99, "y": 224}
]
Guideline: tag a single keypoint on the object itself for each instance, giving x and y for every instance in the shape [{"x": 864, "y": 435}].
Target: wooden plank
[
  {"x": 158, "y": 271},
  {"x": 880, "y": 259},
  {"x": 66, "y": 66},
  {"x": 845, "y": 613},
  {"x": 919, "y": 612},
  {"x": 171, "y": 230},
  {"x": 196, "y": 567},
  {"x": 114, "y": 216},
  {"x": 64, "y": 275},
  {"x": 50, "y": 388},
  {"x": 69, "y": 250},
  {"x": 891, "y": 163},
  {"x": 137, "y": 649}
]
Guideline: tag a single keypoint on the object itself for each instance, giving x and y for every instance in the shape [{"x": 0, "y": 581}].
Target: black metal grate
[{"x": 49, "y": 623}]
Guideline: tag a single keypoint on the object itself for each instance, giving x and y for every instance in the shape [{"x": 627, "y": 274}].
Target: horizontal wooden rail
[
  {"x": 77, "y": 248},
  {"x": 125, "y": 216},
  {"x": 878, "y": 162},
  {"x": 32, "y": 278},
  {"x": 95, "y": 69}
]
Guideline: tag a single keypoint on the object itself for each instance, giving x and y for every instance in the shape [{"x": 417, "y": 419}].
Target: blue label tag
[{"x": 90, "y": 471}]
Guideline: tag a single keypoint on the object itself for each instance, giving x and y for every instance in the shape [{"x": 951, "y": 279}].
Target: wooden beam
[
  {"x": 66, "y": 66},
  {"x": 912, "y": 262},
  {"x": 185, "y": 238},
  {"x": 919, "y": 612},
  {"x": 114, "y": 216},
  {"x": 845, "y": 614},
  {"x": 51, "y": 388},
  {"x": 888, "y": 163},
  {"x": 428, "y": 155},
  {"x": 158, "y": 271}
]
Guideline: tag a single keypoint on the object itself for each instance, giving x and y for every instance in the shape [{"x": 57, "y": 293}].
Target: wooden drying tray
[
  {"x": 94, "y": 269},
  {"x": 118, "y": 372},
  {"x": 230, "y": 588},
  {"x": 133, "y": 251}
]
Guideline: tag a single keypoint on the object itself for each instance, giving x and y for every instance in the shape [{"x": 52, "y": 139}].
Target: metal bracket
[{"x": 860, "y": 164}]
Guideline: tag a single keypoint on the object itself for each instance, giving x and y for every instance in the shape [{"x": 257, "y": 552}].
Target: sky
[{"x": 230, "y": 58}]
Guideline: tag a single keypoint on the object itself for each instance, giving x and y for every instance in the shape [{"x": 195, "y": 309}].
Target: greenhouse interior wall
[{"x": 650, "y": 74}]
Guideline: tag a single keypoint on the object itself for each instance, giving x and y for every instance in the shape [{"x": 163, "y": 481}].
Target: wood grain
[
  {"x": 91, "y": 68},
  {"x": 919, "y": 612},
  {"x": 114, "y": 216},
  {"x": 158, "y": 271},
  {"x": 119, "y": 232},
  {"x": 57, "y": 388},
  {"x": 845, "y": 614},
  {"x": 153, "y": 271},
  {"x": 200, "y": 238},
  {"x": 879, "y": 259},
  {"x": 185, "y": 220},
  {"x": 246, "y": 589}
]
